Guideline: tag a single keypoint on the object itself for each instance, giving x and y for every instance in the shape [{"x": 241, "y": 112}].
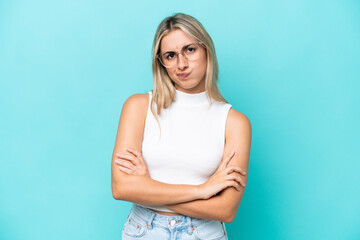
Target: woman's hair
[{"x": 163, "y": 93}]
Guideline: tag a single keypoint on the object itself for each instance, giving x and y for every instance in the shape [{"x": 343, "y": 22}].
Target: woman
[{"x": 181, "y": 152}]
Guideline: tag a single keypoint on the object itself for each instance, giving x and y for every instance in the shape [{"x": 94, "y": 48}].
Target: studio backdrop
[{"x": 67, "y": 67}]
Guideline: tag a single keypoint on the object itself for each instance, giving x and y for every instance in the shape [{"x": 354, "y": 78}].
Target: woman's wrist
[{"x": 199, "y": 191}]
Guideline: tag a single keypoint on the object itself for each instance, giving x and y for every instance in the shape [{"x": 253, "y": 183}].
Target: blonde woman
[{"x": 181, "y": 152}]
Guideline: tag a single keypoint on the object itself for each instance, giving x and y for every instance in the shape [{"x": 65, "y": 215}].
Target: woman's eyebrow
[{"x": 181, "y": 48}]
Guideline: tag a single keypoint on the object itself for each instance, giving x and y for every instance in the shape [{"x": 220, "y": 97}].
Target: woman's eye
[
  {"x": 192, "y": 49},
  {"x": 170, "y": 55}
]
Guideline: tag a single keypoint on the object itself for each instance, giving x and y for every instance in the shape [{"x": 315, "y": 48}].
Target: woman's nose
[{"x": 182, "y": 61}]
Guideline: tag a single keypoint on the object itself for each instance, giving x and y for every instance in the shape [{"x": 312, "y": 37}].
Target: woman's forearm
[
  {"x": 143, "y": 190},
  {"x": 211, "y": 208},
  {"x": 222, "y": 207}
]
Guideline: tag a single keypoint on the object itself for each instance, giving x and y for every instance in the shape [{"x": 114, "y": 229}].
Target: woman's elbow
[
  {"x": 229, "y": 218},
  {"x": 229, "y": 214},
  {"x": 226, "y": 215},
  {"x": 117, "y": 193}
]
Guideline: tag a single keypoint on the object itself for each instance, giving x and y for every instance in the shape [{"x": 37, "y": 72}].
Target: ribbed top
[
  {"x": 191, "y": 144},
  {"x": 192, "y": 99}
]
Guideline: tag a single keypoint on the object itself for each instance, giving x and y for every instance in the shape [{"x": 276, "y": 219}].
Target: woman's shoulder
[
  {"x": 237, "y": 119},
  {"x": 136, "y": 102},
  {"x": 138, "y": 98}
]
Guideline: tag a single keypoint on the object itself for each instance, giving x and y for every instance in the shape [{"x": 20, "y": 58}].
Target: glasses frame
[{"x": 158, "y": 56}]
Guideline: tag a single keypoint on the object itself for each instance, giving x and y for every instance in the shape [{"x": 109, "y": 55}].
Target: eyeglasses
[{"x": 190, "y": 51}]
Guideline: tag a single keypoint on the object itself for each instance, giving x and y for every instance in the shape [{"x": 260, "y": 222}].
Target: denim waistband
[{"x": 148, "y": 218}]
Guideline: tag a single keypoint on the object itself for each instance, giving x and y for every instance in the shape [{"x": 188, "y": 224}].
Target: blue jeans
[{"x": 144, "y": 223}]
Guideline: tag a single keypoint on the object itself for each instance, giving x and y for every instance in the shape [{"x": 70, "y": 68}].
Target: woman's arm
[
  {"x": 140, "y": 189},
  {"x": 223, "y": 207}
]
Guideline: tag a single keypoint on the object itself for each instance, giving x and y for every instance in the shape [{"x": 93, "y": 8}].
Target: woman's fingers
[
  {"x": 236, "y": 185},
  {"x": 134, "y": 162},
  {"x": 233, "y": 174},
  {"x": 233, "y": 183},
  {"x": 136, "y": 153},
  {"x": 128, "y": 171},
  {"x": 126, "y": 166},
  {"x": 237, "y": 178},
  {"x": 233, "y": 168},
  {"x": 125, "y": 163},
  {"x": 227, "y": 160},
  {"x": 130, "y": 158}
]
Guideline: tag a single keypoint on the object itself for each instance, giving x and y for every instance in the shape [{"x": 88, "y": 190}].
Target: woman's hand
[
  {"x": 133, "y": 164},
  {"x": 224, "y": 177}
]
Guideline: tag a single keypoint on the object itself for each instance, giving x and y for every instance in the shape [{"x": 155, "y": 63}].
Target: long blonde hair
[{"x": 163, "y": 93}]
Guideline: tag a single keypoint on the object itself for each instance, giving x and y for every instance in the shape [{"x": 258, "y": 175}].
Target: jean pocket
[
  {"x": 209, "y": 230},
  {"x": 134, "y": 229}
]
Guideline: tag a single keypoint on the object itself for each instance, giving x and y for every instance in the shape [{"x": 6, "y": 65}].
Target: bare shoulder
[
  {"x": 133, "y": 113},
  {"x": 131, "y": 123},
  {"x": 135, "y": 106},
  {"x": 129, "y": 134},
  {"x": 136, "y": 102},
  {"x": 237, "y": 121},
  {"x": 238, "y": 139}
]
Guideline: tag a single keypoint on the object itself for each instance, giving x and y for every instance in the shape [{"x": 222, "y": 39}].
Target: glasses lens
[
  {"x": 190, "y": 52},
  {"x": 168, "y": 59}
]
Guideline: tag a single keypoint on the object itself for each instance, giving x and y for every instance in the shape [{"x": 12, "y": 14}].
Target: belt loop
[
  {"x": 149, "y": 225},
  {"x": 225, "y": 232},
  {"x": 190, "y": 229}
]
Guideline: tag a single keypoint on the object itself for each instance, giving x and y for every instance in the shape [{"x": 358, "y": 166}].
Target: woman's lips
[{"x": 183, "y": 75}]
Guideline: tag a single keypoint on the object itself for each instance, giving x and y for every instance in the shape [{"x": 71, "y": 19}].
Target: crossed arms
[{"x": 181, "y": 198}]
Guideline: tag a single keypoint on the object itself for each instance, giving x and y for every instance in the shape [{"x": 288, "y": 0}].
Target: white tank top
[{"x": 192, "y": 140}]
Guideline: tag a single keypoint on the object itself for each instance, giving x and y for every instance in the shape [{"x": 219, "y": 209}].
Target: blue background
[{"x": 66, "y": 68}]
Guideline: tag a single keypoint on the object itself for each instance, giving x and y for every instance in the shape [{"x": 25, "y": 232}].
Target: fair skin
[
  {"x": 195, "y": 83},
  {"x": 216, "y": 199}
]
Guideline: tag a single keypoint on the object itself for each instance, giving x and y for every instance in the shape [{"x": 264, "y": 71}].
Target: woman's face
[{"x": 195, "y": 81}]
